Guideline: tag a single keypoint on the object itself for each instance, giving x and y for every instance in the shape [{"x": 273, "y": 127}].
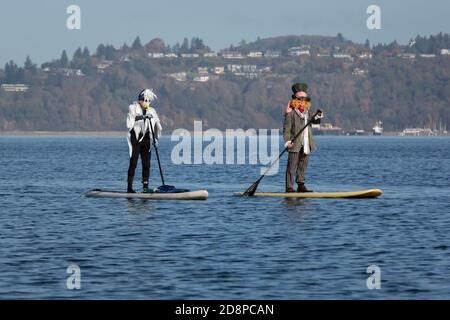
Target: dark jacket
[{"x": 293, "y": 123}]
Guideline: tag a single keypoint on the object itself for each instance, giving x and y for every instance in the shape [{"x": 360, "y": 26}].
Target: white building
[
  {"x": 236, "y": 68},
  {"x": 201, "y": 79},
  {"x": 71, "y": 72},
  {"x": 249, "y": 75},
  {"x": 190, "y": 55},
  {"x": 427, "y": 56},
  {"x": 272, "y": 54},
  {"x": 445, "y": 52},
  {"x": 365, "y": 55},
  {"x": 407, "y": 56},
  {"x": 219, "y": 70},
  {"x": 125, "y": 59},
  {"x": 179, "y": 76},
  {"x": 299, "y": 51},
  {"x": 103, "y": 65},
  {"x": 359, "y": 72},
  {"x": 255, "y": 54},
  {"x": 202, "y": 71},
  {"x": 342, "y": 56},
  {"x": 15, "y": 87},
  {"x": 232, "y": 55},
  {"x": 156, "y": 55},
  {"x": 210, "y": 54},
  {"x": 170, "y": 55}
]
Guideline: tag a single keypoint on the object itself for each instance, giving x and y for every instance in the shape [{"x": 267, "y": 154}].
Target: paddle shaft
[{"x": 156, "y": 149}]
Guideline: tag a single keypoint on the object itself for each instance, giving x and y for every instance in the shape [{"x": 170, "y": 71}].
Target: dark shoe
[
  {"x": 289, "y": 190},
  {"x": 130, "y": 185},
  {"x": 303, "y": 188}
]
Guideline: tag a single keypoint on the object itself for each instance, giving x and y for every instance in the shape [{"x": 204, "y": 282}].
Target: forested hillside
[{"x": 355, "y": 84}]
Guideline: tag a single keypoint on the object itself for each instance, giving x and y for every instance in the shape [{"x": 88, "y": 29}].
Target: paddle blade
[
  {"x": 169, "y": 189},
  {"x": 252, "y": 189}
]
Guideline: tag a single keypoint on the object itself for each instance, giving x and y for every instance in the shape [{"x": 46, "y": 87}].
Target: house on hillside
[
  {"x": 190, "y": 55},
  {"x": 299, "y": 51},
  {"x": 201, "y": 79},
  {"x": 202, "y": 71},
  {"x": 235, "y": 68},
  {"x": 445, "y": 52},
  {"x": 409, "y": 56},
  {"x": 210, "y": 54},
  {"x": 365, "y": 55},
  {"x": 219, "y": 70},
  {"x": 342, "y": 56},
  {"x": 359, "y": 72},
  {"x": 71, "y": 72},
  {"x": 170, "y": 55},
  {"x": 18, "y": 87},
  {"x": 232, "y": 55},
  {"x": 179, "y": 76},
  {"x": 272, "y": 54},
  {"x": 255, "y": 54},
  {"x": 103, "y": 65},
  {"x": 428, "y": 56},
  {"x": 155, "y": 55}
]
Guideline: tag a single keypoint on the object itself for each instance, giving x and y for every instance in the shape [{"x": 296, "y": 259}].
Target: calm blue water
[{"x": 226, "y": 247}]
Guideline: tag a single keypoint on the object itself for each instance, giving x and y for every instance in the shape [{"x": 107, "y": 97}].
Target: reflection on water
[{"x": 139, "y": 206}]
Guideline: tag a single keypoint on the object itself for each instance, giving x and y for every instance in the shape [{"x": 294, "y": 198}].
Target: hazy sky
[{"x": 38, "y": 28}]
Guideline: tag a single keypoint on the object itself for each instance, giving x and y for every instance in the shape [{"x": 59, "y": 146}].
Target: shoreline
[
  {"x": 124, "y": 134},
  {"x": 64, "y": 133}
]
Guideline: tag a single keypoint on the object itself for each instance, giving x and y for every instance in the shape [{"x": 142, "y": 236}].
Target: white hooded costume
[{"x": 143, "y": 126}]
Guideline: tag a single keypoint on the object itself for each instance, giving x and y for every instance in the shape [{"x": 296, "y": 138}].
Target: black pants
[{"x": 143, "y": 149}]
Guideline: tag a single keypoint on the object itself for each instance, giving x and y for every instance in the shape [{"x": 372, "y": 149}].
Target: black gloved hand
[{"x": 139, "y": 118}]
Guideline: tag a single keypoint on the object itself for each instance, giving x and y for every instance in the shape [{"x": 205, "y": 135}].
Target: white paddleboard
[{"x": 190, "y": 195}]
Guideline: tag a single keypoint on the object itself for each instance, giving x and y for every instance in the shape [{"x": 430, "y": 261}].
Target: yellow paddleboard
[{"x": 370, "y": 193}]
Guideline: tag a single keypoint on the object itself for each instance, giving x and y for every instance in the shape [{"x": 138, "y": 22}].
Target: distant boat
[
  {"x": 357, "y": 132},
  {"x": 418, "y": 132},
  {"x": 326, "y": 129},
  {"x": 378, "y": 129}
]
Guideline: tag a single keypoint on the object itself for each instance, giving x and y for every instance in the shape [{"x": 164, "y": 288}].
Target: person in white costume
[{"x": 142, "y": 115}]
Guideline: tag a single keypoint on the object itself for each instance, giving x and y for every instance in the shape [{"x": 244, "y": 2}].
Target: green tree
[
  {"x": 184, "y": 46},
  {"x": 100, "y": 51},
  {"x": 86, "y": 53},
  {"x": 13, "y": 74},
  {"x": 78, "y": 54},
  {"x": 137, "y": 43},
  {"x": 29, "y": 65},
  {"x": 64, "y": 61}
]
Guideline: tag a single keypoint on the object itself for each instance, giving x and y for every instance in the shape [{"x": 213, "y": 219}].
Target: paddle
[{"x": 252, "y": 189}]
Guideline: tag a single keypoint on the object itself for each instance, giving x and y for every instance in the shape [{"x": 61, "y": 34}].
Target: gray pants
[{"x": 296, "y": 167}]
